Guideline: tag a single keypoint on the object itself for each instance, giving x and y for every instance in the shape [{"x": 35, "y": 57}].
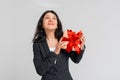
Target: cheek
[
  {"x": 56, "y": 23},
  {"x": 44, "y": 23}
]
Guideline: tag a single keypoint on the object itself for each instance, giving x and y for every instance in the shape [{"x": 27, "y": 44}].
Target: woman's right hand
[{"x": 61, "y": 45}]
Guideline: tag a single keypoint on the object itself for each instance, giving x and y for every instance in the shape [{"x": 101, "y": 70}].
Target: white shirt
[{"x": 53, "y": 49}]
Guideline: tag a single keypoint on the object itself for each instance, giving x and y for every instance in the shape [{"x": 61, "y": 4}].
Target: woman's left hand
[{"x": 83, "y": 42}]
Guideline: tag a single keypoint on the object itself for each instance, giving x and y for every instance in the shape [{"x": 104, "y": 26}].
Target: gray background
[{"x": 99, "y": 20}]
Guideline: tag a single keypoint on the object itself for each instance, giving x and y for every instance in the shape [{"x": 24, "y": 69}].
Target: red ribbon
[{"x": 74, "y": 40}]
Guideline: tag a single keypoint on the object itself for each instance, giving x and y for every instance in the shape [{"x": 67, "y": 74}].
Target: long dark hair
[{"x": 40, "y": 32}]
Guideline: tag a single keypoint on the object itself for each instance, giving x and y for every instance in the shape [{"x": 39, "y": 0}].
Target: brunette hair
[{"x": 40, "y": 32}]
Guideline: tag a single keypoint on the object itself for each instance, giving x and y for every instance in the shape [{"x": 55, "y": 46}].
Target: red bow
[{"x": 74, "y": 40}]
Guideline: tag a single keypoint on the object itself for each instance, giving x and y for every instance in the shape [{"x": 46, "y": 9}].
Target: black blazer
[{"x": 51, "y": 66}]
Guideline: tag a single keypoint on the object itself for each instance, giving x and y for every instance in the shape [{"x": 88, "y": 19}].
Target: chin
[{"x": 51, "y": 29}]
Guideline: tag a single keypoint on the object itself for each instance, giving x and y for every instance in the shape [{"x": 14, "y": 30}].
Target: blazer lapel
[{"x": 44, "y": 48}]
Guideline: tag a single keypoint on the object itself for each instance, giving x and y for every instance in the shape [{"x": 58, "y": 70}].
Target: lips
[{"x": 50, "y": 23}]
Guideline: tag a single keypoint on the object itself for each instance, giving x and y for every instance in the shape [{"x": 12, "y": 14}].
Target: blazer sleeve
[
  {"x": 76, "y": 57},
  {"x": 42, "y": 65}
]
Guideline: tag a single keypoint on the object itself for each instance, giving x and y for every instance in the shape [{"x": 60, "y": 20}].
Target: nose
[{"x": 50, "y": 19}]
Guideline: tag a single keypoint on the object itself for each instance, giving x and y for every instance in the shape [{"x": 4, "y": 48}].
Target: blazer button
[{"x": 55, "y": 61}]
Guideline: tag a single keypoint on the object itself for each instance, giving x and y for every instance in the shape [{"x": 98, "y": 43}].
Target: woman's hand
[
  {"x": 61, "y": 45},
  {"x": 83, "y": 42}
]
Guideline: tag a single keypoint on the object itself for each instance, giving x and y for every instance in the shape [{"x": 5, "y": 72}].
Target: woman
[{"x": 50, "y": 59}]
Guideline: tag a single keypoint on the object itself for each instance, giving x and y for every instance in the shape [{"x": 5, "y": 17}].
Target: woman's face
[{"x": 50, "y": 21}]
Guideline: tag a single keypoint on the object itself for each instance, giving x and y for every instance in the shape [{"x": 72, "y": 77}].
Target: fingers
[
  {"x": 82, "y": 38},
  {"x": 63, "y": 44},
  {"x": 65, "y": 33},
  {"x": 83, "y": 41}
]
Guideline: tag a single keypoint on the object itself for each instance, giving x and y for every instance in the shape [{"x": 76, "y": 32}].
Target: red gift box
[{"x": 74, "y": 41}]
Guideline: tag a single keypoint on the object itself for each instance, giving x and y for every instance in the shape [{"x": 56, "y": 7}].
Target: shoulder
[
  {"x": 37, "y": 43},
  {"x": 36, "y": 47}
]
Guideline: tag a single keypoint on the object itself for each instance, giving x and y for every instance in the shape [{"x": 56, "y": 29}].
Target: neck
[{"x": 50, "y": 35}]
